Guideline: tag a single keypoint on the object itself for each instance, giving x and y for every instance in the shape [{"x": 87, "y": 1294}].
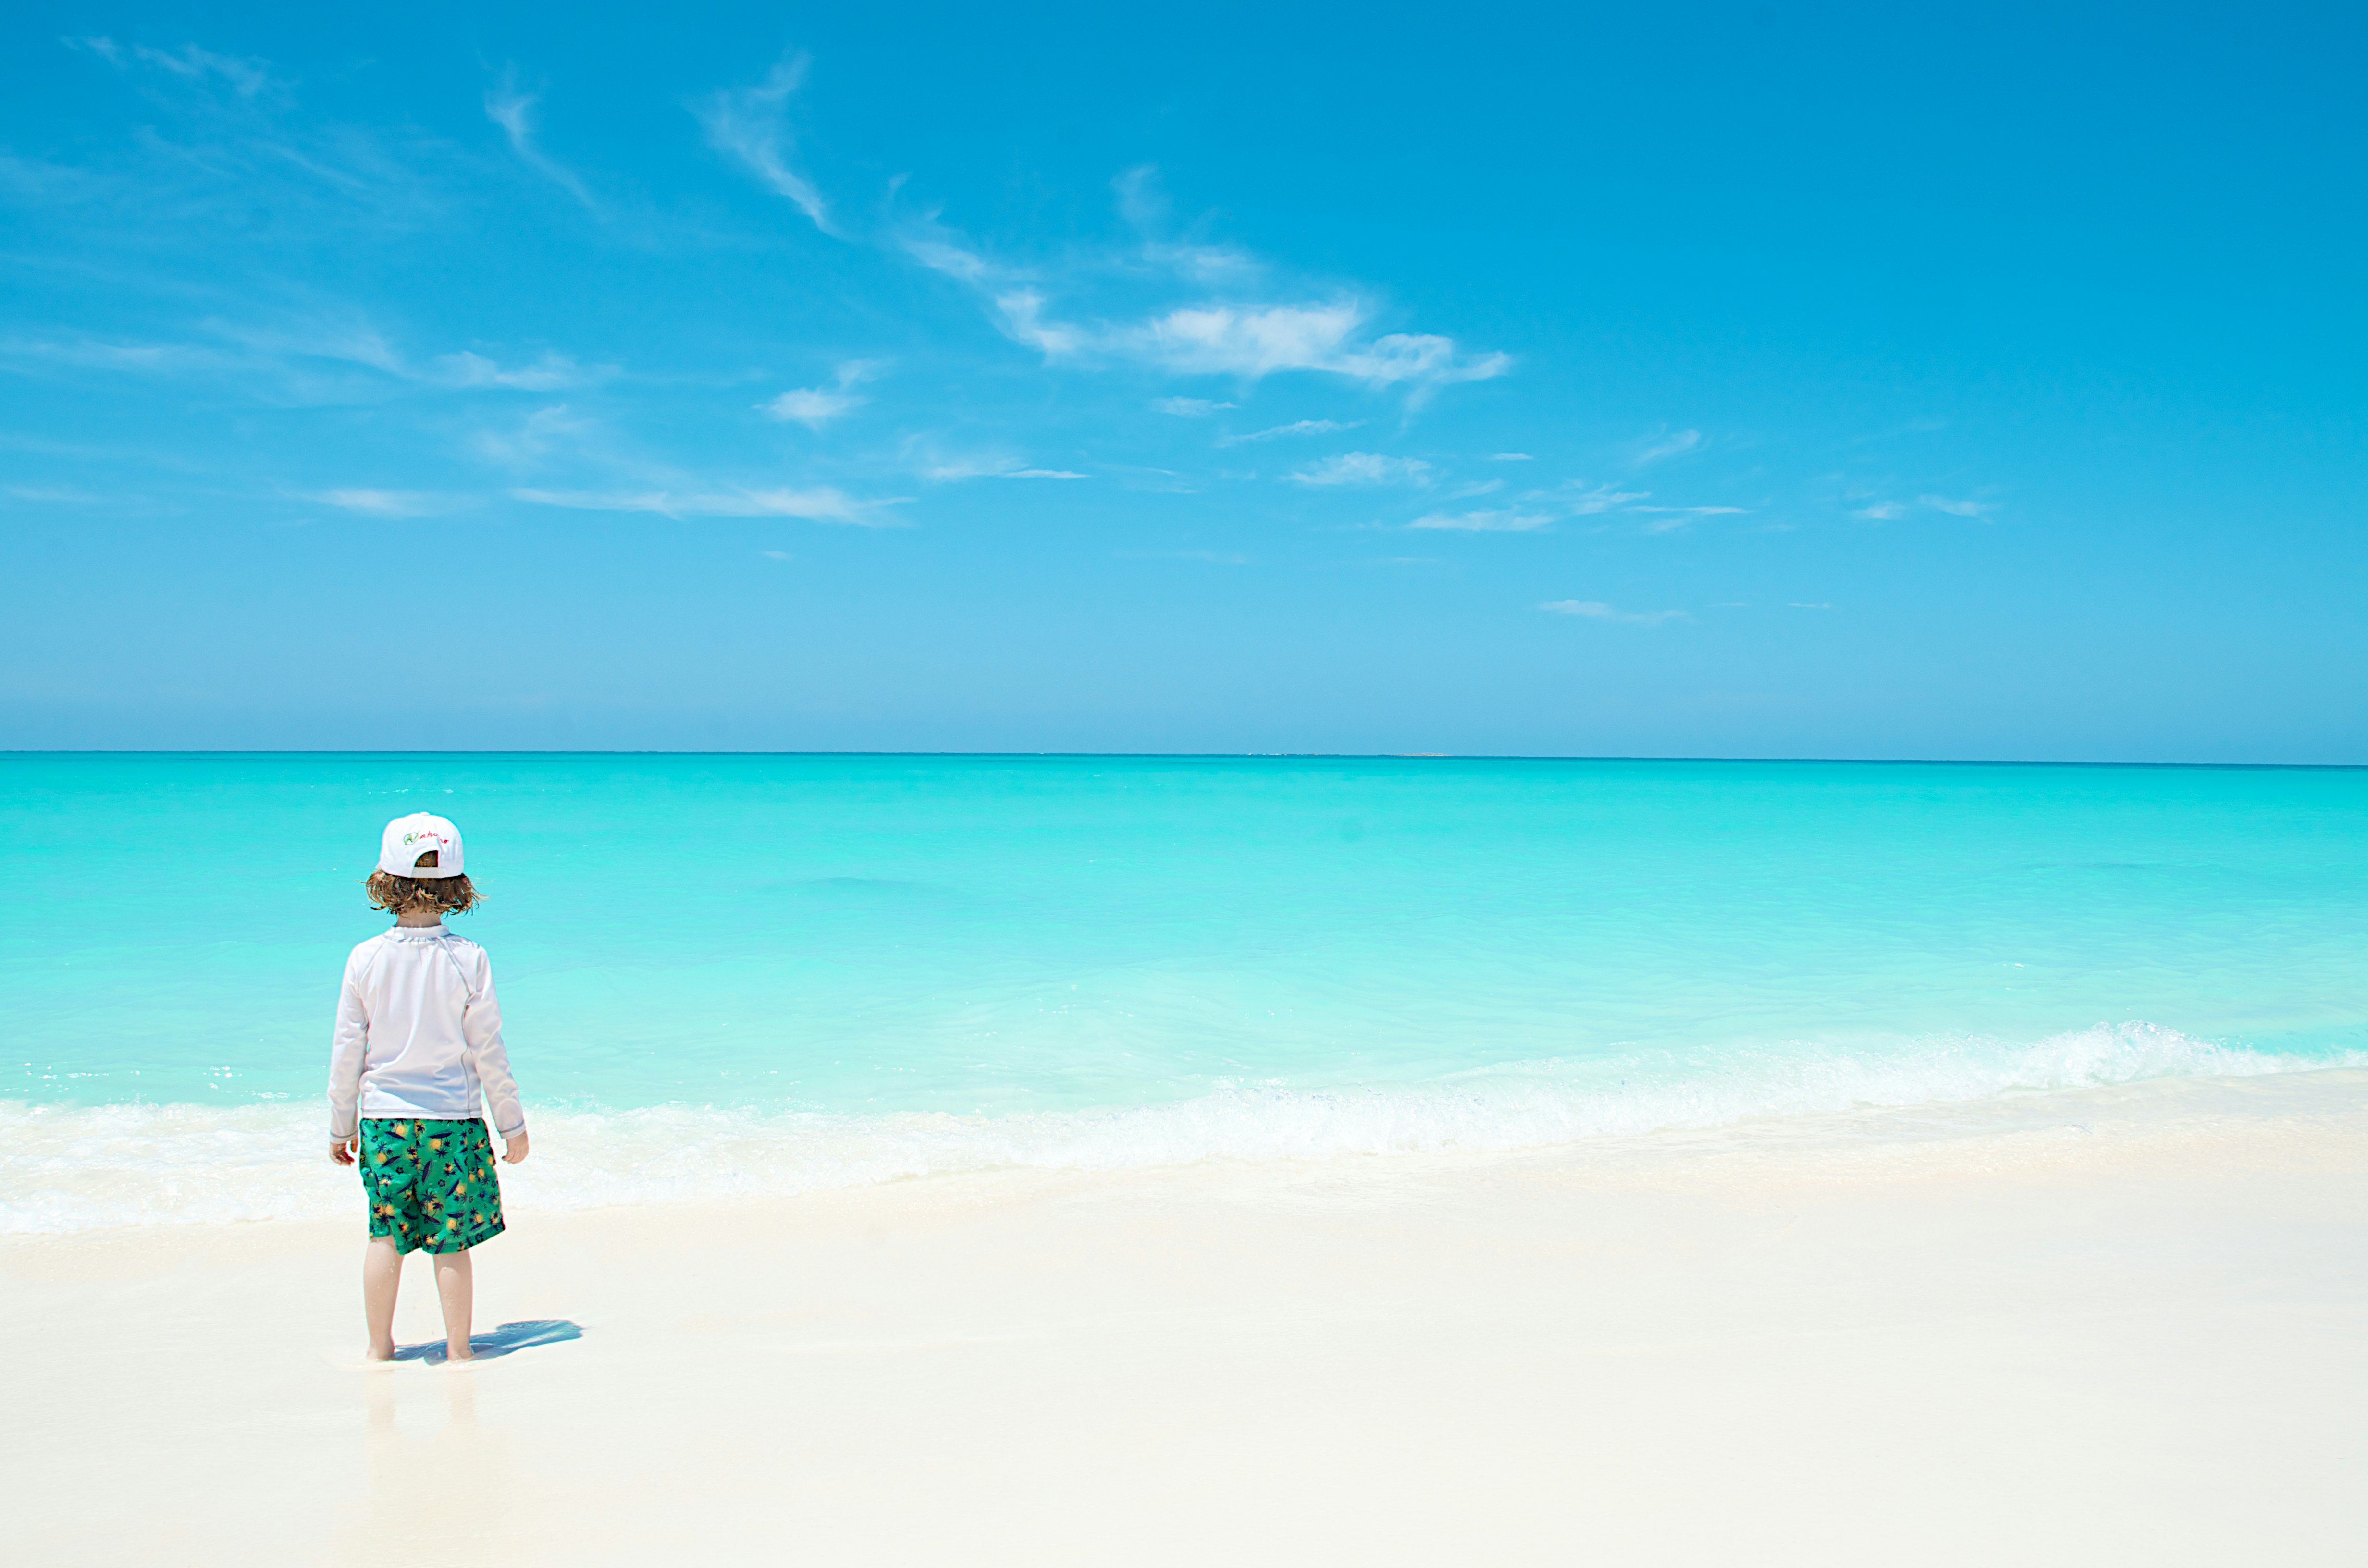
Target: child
[{"x": 418, "y": 1037}]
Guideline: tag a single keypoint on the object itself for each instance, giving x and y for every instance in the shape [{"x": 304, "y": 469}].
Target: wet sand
[{"x": 2124, "y": 1325}]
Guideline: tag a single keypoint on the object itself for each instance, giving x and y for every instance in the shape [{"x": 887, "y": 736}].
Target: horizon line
[{"x": 13, "y": 753}]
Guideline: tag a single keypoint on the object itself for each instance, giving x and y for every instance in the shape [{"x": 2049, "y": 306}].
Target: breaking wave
[{"x": 67, "y": 1168}]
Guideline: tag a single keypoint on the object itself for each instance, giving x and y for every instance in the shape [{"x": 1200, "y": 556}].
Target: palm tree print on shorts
[{"x": 430, "y": 1184}]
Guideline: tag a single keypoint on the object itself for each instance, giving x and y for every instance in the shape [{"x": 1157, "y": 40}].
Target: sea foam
[{"x": 67, "y": 1169}]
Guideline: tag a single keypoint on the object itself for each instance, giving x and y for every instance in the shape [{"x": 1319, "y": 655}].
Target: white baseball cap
[{"x": 407, "y": 838}]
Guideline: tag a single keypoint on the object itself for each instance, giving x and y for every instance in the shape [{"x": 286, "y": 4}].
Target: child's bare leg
[
  {"x": 455, "y": 1285},
  {"x": 381, "y": 1275}
]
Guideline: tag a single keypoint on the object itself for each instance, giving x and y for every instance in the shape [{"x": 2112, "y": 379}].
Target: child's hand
[
  {"x": 513, "y": 1147},
  {"x": 342, "y": 1150}
]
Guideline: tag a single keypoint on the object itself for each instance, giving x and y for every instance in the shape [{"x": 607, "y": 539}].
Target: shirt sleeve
[
  {"x": 481, "y": 1025},
  {"x": 346, "y": 1048}
]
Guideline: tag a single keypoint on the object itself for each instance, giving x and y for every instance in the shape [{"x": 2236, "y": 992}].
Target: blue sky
[{"x": 1762, "y": 379}]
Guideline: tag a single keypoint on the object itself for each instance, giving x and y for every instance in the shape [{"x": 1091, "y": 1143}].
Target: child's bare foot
[
  {"x": 375, "y": 1353},
  {"x": 463, "y": 1354}
]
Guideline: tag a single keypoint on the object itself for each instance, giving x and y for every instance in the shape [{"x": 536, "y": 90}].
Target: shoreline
[
  {"x": 2097, "y": 1324},
  {"x": 81, "y": 1169}
]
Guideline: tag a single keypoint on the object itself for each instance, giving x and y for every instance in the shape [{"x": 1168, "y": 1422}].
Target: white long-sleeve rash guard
[{"x": 420, "y": 1034}]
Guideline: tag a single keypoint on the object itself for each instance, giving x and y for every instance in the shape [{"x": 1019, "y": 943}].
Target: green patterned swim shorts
[{"x": 430, "y": 1184}]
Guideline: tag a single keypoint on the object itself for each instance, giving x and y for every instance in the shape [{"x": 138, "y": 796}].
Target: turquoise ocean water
[{"x": 739, "y": 974}]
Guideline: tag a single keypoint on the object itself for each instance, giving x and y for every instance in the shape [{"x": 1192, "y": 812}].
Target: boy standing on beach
[{"x": 418, "y": 1040}]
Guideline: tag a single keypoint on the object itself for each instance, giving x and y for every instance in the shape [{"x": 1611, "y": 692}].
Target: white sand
[{"x": 1979, "y": 1337}]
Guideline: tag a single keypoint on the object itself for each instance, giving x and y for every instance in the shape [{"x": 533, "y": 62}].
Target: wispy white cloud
[
  {"x": 1254, "y": 341},
  {"x": 355, "y": 341},
  {"x": 39, "y": 181},
  {"x": 1140, "y": 199},
  {"x": 1244, "y": 339},
  {"x": 1595, "y": 610},
  {"x": 1579, "y": 499},
  {"x": 1296, "y": 427},
  {"x": 1187, "y": 407},
  {"x": 245, "y": 77},
  {"x": 1657, "y": 448},
  {"x": 1798, "y": 605},
  {"x": 1501, "y": 520},
  {"x": 514, "y": 112},
  {"x": 939, "y": 467},
  {"x": 99, "y": 354},
  {"x": 385, "y": 502},
  {"x": 51, "y": 494},
  {"x": 953, "y": 471},
  {"x": 293, "y": 356},
  {"x": 1161, "y": 480},
  {"x": 940, "y": 249},
  {"x": 814, "y": 406},
  {"x": 348, "y": 341},
  {"x": 1887, "y": 511},
  {"x": 107, "y": 48},
  {"x": 1511, "y": 457},
  {"x": 226, "y": 151},
  {"x": 551, "y": 372},
  {"x": 751, "y": 124},
  {"x": 1668, "y": 519},
  {"x": 1586, "y": 502},
  {"x": 1145, "y": 206},
  {"x": 1363, "y": 468},
  {"x": 531, "y": 439},
  {"x": 823, "y": 505},
  {"x": 810, "y": 405},
  {"x": 1257, "y": 341},
  {"x": 1473, "y": 487}
]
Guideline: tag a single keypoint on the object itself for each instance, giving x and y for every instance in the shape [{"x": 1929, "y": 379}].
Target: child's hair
[{"x": 413, "y": 895}]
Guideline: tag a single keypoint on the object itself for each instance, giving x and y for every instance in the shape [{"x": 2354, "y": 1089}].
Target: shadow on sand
[{"x": 507, "y": 1340}]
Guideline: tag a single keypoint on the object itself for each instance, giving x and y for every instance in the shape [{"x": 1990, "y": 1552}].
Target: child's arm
[
  {"x": 481, "y": 1025},
  {"x": 346, "y": 1048}
]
